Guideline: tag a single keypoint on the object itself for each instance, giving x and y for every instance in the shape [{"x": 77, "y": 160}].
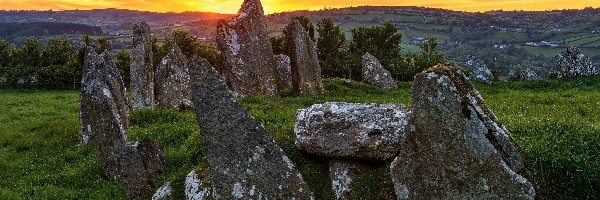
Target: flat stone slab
[{"x": 352, "y": 130}]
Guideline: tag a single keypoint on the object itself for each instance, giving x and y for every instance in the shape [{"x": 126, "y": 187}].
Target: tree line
[
  {"x": 59, "y": 64},
  {"x": 340, "y": 57}
]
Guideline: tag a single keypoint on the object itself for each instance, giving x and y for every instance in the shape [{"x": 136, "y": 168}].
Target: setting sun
[{"x": 272, "y": 6}]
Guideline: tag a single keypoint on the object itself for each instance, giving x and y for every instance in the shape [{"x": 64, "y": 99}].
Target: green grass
[{"x": 557, "y": 124}]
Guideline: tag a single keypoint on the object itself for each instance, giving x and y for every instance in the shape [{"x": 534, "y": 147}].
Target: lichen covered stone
[
  {"x": 163, "y": 192},
  {"x": 247, "y": 52},
  {"x": 102, "y": 106},
  {"x": 528, "y": 75},
  {"x": 194, "y": 188},
  {"x": 306, "y": 71},
  {"x": 480, "y": 72},
  {"x": 457, "y": 148},
  {"x": 351, "y": 130},
  {"x": 172, "y": 76},
  {"x": 142, "y": 71},
  {"x": 374, "y": 73},
  {"x": 572, "y": 63},
  {"x": 244, "y": 161},
  {"x": 342, "y": 173},
  {"x": 284, "y": 68}
]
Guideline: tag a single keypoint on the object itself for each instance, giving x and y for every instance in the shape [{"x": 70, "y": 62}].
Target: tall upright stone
[
  {"x": 103, "y": 111},
  {"x": 142, "y": 71},
  {"x": 247, "y": 52},
  {"x": 572, "y": 63},
  {"x": 457, "y": 149},
  {"x": 376, "y": 74},
  {"x": 109, "y": 75},
  {"x": 306, "y": 71},
  {"x": 284, "y": 68},
  {"x": 244, "y": 161},
  {"x": 172, "y": 76}
]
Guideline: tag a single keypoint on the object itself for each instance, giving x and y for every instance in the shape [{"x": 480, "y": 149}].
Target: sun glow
[{"x": 272, "y": 6}]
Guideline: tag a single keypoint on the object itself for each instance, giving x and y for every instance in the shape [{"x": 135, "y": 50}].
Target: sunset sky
[{"x": 231, "y": 6}]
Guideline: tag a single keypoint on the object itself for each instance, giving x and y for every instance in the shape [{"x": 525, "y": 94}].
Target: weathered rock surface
[
  {"x": 342, "y": 173},
  {"x": 102, "y": 120},
  {"x": 572, "y": 63},
  {"x": 376, "y": 74},
  {"x": 244, "y": 161},
  {"x": 103, "y": 113},
  {"x": 458, "y": 149},
  {"x": 349, "y": 82},
  {"x": 528, "y": 75},
  {"x": 110, "y": 77},
  {"x": 194, "y": 189},
  {"x": 142, "y": 71},
  {"x": 247, "y": 52},
  {"x": 284, "y": 68},
  {"x": 163, "y": 192},
  {"x": 351, "y": 130},
  {"x": 172, "y": 76},
  {"x": 482, "y": 73},
  {"x": 306, "y": 71},
  {"x": 132, "y": 170},
  {"x": 152, "y": 158}
]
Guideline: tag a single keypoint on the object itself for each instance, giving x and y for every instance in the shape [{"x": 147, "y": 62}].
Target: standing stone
[
  {"x": 572, "y": 63},
  {"x": 244, "y": 161},
  {"x": 284, "y": 68},
  {"x": 152, "y": 158},
  {"x": 342, "y": 173},
  {"x": 163, "y": 192},
  {"x": 142, "y": 73},
  {"x": 528, "y": 75},
  {"x": 194, "y": 188},
  {"x": 371, "y": 132},
  {"x": 172, "y": 76},
  {"x": 306, "y": 71},
  {"x": 247, "y": 52},
  {"x": 482, "y": 73},
  {"x": 102, "y": 106},
  {"x": 376, "y": 74},
  {"x": 110, "y": 76},
  {"x": 458, "y": 149}
]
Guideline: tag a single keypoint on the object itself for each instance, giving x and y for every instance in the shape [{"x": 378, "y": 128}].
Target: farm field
[{"x": 555, "y": 122}]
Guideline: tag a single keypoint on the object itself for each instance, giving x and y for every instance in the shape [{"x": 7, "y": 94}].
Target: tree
[
  {"x": 123, "y": 64},
  {"x": 383, "y": 42},
  {"x": 331, "y": 38},
  {"x": 158, "y": 51},
  {"x": 104, "y": 44},
  {"x": 4, "y": 53},
  {"x": 187, "y": 43},
  {"x": 25, "y": 62},
  {"x": 190, "y": 47},
  {"x": 430, "y": 55},
  {"x": 56, "y": 68}
]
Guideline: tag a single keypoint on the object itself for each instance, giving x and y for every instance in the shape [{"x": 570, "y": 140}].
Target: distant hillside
[
  {"x": 503, "y": 40},
  {"x": 110, "y": 20},
  {"x": 12, "y": 31}
]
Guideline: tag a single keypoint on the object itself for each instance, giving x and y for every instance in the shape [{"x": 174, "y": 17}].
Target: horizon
[{"x": 277, "y": 6}]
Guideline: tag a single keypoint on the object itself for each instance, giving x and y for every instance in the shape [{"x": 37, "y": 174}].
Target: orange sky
[{"x": 231, "y": 6}]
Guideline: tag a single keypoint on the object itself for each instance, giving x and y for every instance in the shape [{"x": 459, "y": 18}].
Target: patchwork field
[{"x": 556, "y": 123}]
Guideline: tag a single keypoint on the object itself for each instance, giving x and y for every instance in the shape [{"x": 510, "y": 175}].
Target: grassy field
[{"x": 556, "y": 123}]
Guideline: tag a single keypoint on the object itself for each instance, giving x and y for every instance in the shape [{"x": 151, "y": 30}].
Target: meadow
[{"x": 555, "y": 122}]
